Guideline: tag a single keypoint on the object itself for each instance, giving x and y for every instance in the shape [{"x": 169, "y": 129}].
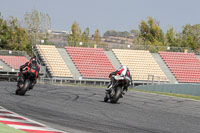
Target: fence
[
  {"x": 68, "y": 81},
  {"x": 109, "y": 46},
  {"x": 14, "y": 53}
]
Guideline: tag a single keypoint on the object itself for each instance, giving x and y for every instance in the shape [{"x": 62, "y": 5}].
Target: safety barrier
[{"x": 188, "y": 89}]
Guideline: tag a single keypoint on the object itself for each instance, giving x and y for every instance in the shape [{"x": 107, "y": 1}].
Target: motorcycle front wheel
[
  {"x": 23, "y": 90},
  {"x": 117, "y": 95},
  {"x": 106, "y": 98}
]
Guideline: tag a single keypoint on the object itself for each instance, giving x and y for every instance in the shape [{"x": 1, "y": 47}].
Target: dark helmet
[{"x": 33, "y": 61}]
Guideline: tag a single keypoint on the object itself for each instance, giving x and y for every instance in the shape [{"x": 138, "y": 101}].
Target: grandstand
[
  {"x": 53, "y": 61},
  {"x": 94, "y": 64},
  {"x": 10, "y": 61},
  {"x": 91, "y": 62},
  {"x": 13, "y": 61},
  {"x": 141, "y": 64},
  {"x": 184, "y": 66}
]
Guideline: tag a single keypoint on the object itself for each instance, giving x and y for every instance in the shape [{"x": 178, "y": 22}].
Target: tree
[
  {"x": 124, "y": 34},
  {"x": 151, "y": 32},
  {"x": 191, "y": 36},
  {"x": 97, "y": 37},
  {"x": 135, "y": 32},
  {"x": 32, "y": 23},
  {"x": 12, "y": 36},
  {"x": 76, "y": 35},
  {"x": 45, "y": 23},
  {"x": 5, "y": 33},
  {"x": 85, "y": 35},
  {"x": 170, "y": 37},
  {"x": 36, "y": 23},
  {"x": 110, "y": 33}
]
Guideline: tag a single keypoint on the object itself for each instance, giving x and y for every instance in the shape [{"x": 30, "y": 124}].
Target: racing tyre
[
  {"x": 23, "y": 90},
  {"x": 106, "y": 99},
  {"x": 117, "y": 95}
]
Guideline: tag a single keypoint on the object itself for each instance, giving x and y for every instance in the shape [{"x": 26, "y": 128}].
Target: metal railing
[
  {"x": 68, "y": 81},
  {"x": 13, "y": 53},
  {"x": 109, "y": 46}
]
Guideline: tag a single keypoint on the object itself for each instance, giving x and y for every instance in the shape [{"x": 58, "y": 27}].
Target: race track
[{"x": 81, "y": 109}]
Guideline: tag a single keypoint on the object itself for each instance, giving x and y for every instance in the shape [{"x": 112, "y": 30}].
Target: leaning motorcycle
[
  {"x": 26, "y": 85},
  {"x": 116, "y": 91}
]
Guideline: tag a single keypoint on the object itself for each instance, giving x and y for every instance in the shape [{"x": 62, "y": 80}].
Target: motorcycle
[
  {"x": 26, "y": 84},
  {"x": 117, "y": 91}
]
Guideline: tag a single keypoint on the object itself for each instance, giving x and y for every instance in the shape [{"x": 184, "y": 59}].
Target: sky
[{"x": 119, "y": 15}]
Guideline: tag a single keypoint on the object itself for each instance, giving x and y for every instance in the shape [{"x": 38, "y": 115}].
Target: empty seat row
[
  {"x": 141, "y": 64},
  {"x": 184, "y": 66},
  {"x": 91, "y": 62},
  {"x": 54, "y": 61},
  {"x": 13, "y": 61}
]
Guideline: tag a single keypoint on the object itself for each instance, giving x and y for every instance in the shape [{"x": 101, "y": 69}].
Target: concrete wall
[
  {"x": 190, "y": 89},
  {"x": 5, "y": 66}
]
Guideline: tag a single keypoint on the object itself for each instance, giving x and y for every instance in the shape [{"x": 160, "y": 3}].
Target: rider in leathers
[
  {"x": 123, "y": 71},
  {"x": 23, "y": 72}
]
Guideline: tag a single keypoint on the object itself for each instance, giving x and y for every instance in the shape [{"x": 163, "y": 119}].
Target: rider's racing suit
[
  {"x": 123, "y": 71},
  {"x": 24, "y": 72}
]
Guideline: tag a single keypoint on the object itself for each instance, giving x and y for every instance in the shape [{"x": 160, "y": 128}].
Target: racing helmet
[{"x": 33, "y": 61}]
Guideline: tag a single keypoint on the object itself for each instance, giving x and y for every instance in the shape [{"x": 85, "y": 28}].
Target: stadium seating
[
  {"x": 54, "y": 61},
  {"x": 184, "y": 66},
  {"x": 13, "y": 61},
  {"x": 91, "y": 62},
  {"x": 141, "y": 64}
]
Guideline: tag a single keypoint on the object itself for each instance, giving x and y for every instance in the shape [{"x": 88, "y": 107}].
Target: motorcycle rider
[
  {"x": 123, "y": 71},
  {"x": 29, "y": 67}
]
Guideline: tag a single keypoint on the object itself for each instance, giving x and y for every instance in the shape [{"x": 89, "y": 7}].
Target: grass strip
[{"x": 6, "y": 129}]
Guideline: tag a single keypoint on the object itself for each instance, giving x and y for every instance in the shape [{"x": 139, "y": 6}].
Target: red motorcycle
[{"x": 27, "y": 84}]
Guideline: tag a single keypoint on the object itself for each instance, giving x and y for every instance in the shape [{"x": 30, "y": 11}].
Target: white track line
[{"x": 12, "y": 120}]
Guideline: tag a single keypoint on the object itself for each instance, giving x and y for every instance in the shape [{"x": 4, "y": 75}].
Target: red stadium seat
[
  {"x": 13, "y": 61},
  {"x": 91, "y": 62},
  {"x": 184, "y": 66}
]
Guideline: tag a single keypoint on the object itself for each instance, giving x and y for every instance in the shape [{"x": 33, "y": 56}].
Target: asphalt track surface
[{"x": 81, "y": 109}]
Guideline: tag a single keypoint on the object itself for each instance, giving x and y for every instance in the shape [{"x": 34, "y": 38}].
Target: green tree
[
  {"x": 170, "y": 38},
  {"x": 191, "y": 36},
  {"x": 110, "y": 33},
  {"x": 151, "y": 32},
  {"x": 76, "y": 35},
  {"x": 12, "y": 36},
  {"x": 85, "y": 36},
  {"x": 97, "y": 37},
  {"x": 124, "y": 34},
  {"x": 135, "y": 32},
  {"x": 5, "y": 33}
]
